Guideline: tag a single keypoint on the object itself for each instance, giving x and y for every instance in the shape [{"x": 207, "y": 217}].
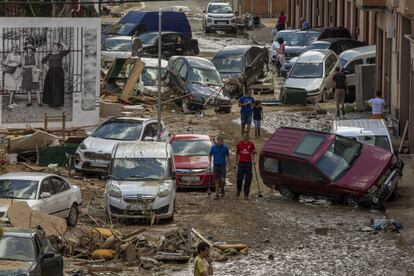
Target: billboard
[{"x": 49, "y": 66}]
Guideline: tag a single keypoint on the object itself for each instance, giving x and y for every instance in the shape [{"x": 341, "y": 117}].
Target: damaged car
[
  {"x": 148, "y": 81},
  {"x": 305, "y": 162},
  {"x": 47, "y": 193},
  {"x": 141, "y": 182},
  {"x": 244, "y": 63},
  {"x": 197, "y": 83}
]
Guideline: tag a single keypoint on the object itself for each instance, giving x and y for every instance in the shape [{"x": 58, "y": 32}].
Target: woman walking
[
  {"x": 11, "y": 67},
  {"x": 54, "y": 87},
  {"x": 281, "y": 22},
  {"x": 30, "y": 69},
  {"x": 280, "y": 59}
]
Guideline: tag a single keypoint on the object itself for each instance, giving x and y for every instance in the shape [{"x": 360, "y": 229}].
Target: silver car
[
  {"x": 47, "y": 193},
  {"x": 94, "y": 153},
  {"x": 313, "y": 72},
  {"x": 141, "y": 181}
]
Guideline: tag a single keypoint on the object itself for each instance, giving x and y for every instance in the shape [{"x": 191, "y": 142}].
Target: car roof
[
  {"x": 119, "y": 37},
  {"x": 316, "y": 55},
  {"x": 360, "y": 127},
  {"x": 285, "y": 140},
  {"x": 219, "y": 3},
  {"x": 349, "y": 54},
  {"x": 18, "y": 232},
  {"x": 128, "y": 118},
  {"x": 195, "y": 137},
  {"x": 141, "y": 150},
  {"x": 233, "y": 50},
  {"x": 199, "y": 62},
  {"x": 33, "y": 176},
  {"x": 153, "y": 62}
]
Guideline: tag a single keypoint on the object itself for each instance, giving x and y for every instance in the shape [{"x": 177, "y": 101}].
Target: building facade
[
  {"x": 389, "y": 25},
  {"x": 262, "y": 7}
]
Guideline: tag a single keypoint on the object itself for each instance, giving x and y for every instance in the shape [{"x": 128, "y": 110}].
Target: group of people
[{"x": 22, "y": 72}]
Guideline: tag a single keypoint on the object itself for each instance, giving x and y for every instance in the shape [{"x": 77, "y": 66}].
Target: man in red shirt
[{"x": 246, "y": 153}]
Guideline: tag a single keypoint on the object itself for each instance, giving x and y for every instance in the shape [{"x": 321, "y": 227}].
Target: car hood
[
  {"x": 221, "y": 15},
  {"x": 206, "y": 91},
  {"x": 307, "y": 84},
  {"x": 191, "y": 162},
  {"x": 14, "y": 268},
  {"x": 100, "y": 145},
  {"x": 110, "y": 55},
  {"x": 149, "y": 187},
  {"x": 366, "y": 170}
]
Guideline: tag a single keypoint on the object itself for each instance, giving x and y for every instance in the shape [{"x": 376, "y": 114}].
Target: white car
[
  {"x": 47, "y": 193},
  {"x": 312, "y": 73},
  {"x": 141, "y": 181},
  {"x": 148, "y": 81},
  {"x": 219, "y": 16},
  {"x": 367, "y": 131},
  {"x": 94, "y": 153},
  {"x": 115, "y": 47}
]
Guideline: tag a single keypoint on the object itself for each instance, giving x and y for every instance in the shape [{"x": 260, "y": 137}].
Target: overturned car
[{"x": 305, "y": 162}]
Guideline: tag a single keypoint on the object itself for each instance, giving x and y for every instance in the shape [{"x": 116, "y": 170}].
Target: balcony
[
  {"x": 407, "y": 7},
  {"x": 371, "y": 4}
]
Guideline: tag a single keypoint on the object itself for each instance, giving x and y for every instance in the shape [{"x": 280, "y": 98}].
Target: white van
[{"x": 353, "y": 57}]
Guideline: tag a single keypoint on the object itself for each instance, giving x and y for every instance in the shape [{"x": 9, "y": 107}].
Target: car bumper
[
  {"x": 313, "y": 97},
  {"x": 195, "y": 180},
  {"x": 222, "y": 27},
  {"x": 90, "y": 165}
]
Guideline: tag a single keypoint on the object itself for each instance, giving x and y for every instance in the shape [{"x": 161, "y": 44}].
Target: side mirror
[
  {"x": 88, "y": 133},
  {"x": 45, "y": 195},
  {"x": 48, "y": 255},
  {"x": 149, "y": 139}
]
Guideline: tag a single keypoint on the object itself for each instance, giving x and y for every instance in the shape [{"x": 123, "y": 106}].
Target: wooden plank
[
  {"x": 201, "y": 237},
  {"x": 132, "y": 80}
]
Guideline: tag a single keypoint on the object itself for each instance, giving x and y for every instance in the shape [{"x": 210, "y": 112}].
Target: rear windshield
[
  {"x": 148, "y": 38},
  {"x": 118, "y": 45},
  {"x": 301, "y": 39},
  {"x": 233, "y": 64},
  {"x": 122, "y": 29},
  {"x": 306, "y": 70}
]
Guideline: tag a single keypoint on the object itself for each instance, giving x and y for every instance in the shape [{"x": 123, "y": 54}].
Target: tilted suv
[{"x": 219, "y": 17}]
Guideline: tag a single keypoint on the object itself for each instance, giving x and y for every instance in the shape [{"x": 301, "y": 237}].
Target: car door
[
  {"x": 329, "y": 70},
  {"x": 51, "y": 263},
  {"x": 173, "y": 73},
  {"x": 48, "y": 205},
  {"x": 182, "y": 78},
  {"x": 62, "y": 197}
]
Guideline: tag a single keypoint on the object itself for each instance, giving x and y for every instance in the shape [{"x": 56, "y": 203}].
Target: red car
[
  {"x": 299, "y": 161},
  {"x": 192, "y": 163}
]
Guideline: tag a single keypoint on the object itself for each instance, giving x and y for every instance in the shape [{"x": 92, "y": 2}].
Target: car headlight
[
  {"x": 209, "y": 20},
  {"x": 114, "y": 191},
  {"x": 164, "y": 189},
  {"x": 316, "y": 91},
  {"x": 82, "y": 146}
]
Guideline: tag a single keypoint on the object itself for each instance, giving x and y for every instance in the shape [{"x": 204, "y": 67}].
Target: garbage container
[{"x": 56, "y": 154}]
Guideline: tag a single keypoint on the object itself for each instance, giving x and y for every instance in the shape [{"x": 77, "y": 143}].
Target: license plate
[
  {"x": 99, "y": 164},
  {"x": 191, "y": 178},
  {"x": 222, "y": 22},
  {"x": 137, "y": 207}
]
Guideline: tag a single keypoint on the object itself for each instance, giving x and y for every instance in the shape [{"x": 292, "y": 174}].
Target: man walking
[
  {"x": 246, "y": 154},
  {"x": 202, "y": 263},
  {"x": 339, "y": 84},
  {"x": 246, "y": 111},
  {"x": 219, "y": 153}
]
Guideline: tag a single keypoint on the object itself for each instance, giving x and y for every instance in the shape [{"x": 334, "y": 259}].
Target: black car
[
  {"x": 244, "y": 63},
  {"x": 336, "y": 44},
  {"x": 32, "y": 252},
  {"x": 198, "y": 80},
  {"x": 168, "y": 39}
]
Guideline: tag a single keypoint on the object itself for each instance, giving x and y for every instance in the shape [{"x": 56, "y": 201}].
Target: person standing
[
  {"x": 377, "y": 105},
  {"x": 30, "y": 68},
  {"x": 281, "y": 58},
  {"x": 305, "y": 23},
  {"x": 54, "y": 85},
  {"x": 281, "y": 22},
  {"x": 136, "y": 45},
  {"x": 219, "y": 153},
  {"x": 11, "y": 67},
  {"x": 257, "y": 117},
  {"x": 202, "y": 263},
  {"x": 246, "y": 154},
  {"x": 339, "y": 84},
  {"x": 246, "y": 111}
]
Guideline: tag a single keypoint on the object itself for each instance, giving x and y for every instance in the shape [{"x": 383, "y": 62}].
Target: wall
[{"x": 264, "y": 7}]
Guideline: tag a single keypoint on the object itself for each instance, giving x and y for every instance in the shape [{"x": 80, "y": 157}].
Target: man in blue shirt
[
  {"x": 246, "y": 111},
  {"x": 219, "y": 153}
]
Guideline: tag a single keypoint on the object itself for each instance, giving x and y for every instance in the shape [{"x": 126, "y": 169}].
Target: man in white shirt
[{"x": 377, "y": 105}]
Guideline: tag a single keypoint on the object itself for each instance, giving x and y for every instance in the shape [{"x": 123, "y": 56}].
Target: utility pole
[{"x": 159, "y": 77}]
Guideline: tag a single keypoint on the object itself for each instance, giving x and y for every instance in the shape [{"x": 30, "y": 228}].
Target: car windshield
[
  {"x": 306, "y": 70},
  {"x": 126, "y": 130},
  {"x": 301, "y": 39},
  {"x": 148, "y": 38},
  {"x": 16, "y": 248},
  {"x": 205, "y": 76},
  {"x": 122, "y": 29},
  {"x": 379, "y": 141},
  {"x": 20, "y": 189},
  {"x": 139, "y": 168},
  {"x": 233, "y": 64},
  {"x": 118, "y": 45},
  {"x": 191, "y": 148},
  {"x": 219, "y": 9},
  {"x": 339, "y": 157},
  {"x": 150, "y": 75}
]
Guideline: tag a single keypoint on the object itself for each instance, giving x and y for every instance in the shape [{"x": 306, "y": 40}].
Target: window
[
  {"x": 59, "y": 185},
  {"x": 371, "y": 60},
  {"x": 119, "y": 129},
  {"x": 151, "y": 130},
  {"x": 19, "y": 189},
  {"x": 183, "y": 71},
  {"x": 299, "y": 170},
  {"x": 351, "y": 66},
  {"x": 306, "y": 70},
  {"x": 330, "y": 64},
  {"x": 271, "y": 164},
  {"x": 47, "y": 186},
  {"x": 178, "y": 63},
  {"x": 249, "y": 58},
  {"x": 309, "y": 144},
  {"x": 169, "y": 38}
]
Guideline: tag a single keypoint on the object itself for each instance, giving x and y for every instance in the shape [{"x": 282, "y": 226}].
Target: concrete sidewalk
[{"x": 402, "y": 208}]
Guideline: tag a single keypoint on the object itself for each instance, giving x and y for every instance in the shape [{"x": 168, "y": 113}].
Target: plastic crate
[{"x": 56, "y": 154}]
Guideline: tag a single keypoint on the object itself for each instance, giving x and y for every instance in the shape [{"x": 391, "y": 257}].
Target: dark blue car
[{"x": 198, "y": 83}]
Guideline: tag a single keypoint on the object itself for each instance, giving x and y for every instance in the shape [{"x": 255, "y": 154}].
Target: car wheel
[
  {"x": 286, "y": 192},
  {"x": 72, "y": 218},
  {"x": 351, "y": 201}
]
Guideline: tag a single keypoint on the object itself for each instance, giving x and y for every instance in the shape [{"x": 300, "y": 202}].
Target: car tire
[
  {"x": 351, "y": 201},
  {"x": 73, "y": 215},
  {"x": 286, "y": 192}
]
